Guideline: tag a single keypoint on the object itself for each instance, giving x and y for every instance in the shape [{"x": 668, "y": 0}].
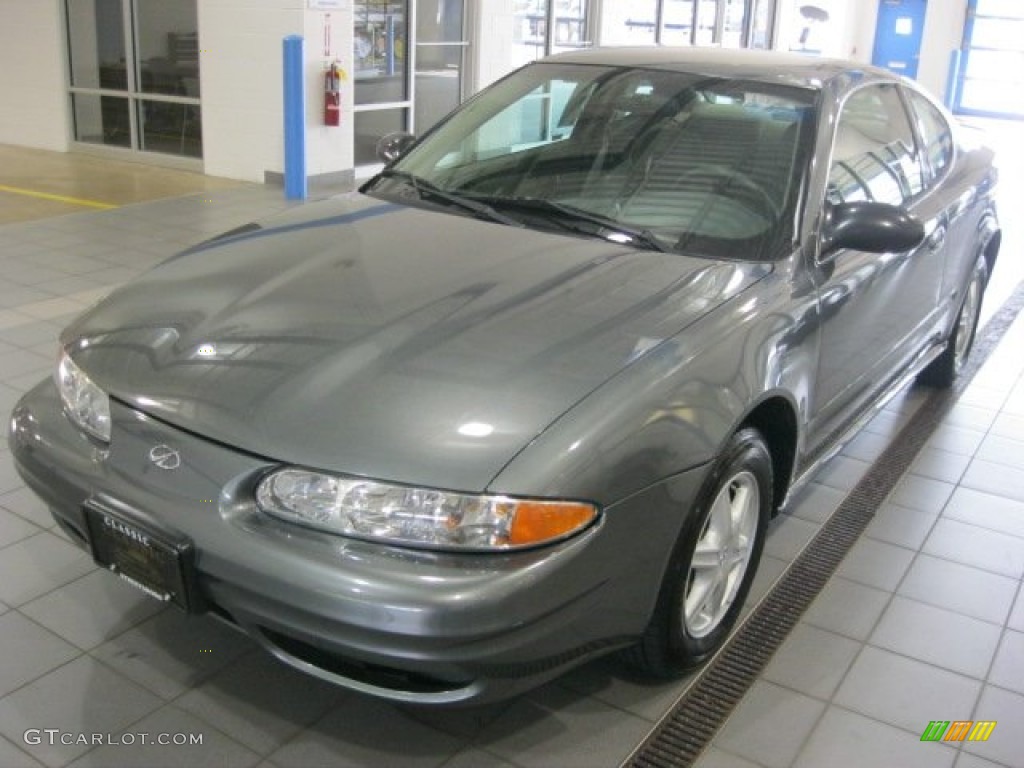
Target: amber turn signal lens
[{"x": 537, "y": 522}]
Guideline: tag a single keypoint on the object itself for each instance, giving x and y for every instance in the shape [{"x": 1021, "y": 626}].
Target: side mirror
[
  {"x": 393, "y": 145},
  {"x": 871, "y": 227}
]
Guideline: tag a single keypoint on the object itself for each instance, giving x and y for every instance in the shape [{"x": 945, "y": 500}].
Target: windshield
[{"x": 661, "y": 159}]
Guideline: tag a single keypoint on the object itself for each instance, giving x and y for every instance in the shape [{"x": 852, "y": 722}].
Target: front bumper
[{"x": 404, "y": 624}]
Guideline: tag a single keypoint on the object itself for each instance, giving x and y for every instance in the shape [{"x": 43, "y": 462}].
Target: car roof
[{"x": 768, "y": 66}]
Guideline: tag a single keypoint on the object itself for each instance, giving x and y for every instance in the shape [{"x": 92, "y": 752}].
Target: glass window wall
[{"x": 134, "y": 73}]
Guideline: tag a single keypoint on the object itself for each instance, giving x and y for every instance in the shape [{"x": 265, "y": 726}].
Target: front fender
[{"x": 674, "y": 408}]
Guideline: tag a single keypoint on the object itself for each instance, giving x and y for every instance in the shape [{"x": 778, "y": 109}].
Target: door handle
[{"x": 936, "y": 239}]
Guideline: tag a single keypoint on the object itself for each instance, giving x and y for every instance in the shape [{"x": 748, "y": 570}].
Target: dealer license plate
[{"x": 153, "y": 561}]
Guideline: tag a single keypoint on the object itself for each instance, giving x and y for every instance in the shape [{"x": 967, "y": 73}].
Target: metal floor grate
[{"x": 689, "y": 727}]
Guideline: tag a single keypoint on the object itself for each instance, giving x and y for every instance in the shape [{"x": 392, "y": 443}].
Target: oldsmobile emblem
[{"x": 165, "y": 457}]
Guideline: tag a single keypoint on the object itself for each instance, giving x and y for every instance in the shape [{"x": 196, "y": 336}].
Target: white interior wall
[
  {"x": 33, "y": 88},
  {"x": 495, "y": 21},
  {"x": 241, "y": 43},
  {"x": 943, "y": 34}
]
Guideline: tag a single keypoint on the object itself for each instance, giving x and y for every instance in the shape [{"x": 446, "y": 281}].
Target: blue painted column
[
  {"x": 295, "y": 183},
  {"x": 953, "y": 80}
]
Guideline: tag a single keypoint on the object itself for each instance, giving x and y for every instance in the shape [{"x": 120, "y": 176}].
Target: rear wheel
[
  {"x": 944, "y": 369},
  {"x": 713, "y": 563}
]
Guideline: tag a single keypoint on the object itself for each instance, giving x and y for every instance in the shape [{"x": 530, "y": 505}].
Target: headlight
[
  {"x": 85, "y": 404},
  {"x": 417, "y": 516}
]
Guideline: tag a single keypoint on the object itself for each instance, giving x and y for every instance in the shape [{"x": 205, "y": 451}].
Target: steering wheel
[{"x": 733, "y": 183}]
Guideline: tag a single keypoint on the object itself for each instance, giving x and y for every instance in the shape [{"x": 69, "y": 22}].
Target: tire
[
  {"x": 698, "y": 602},
  {"x": 943, "y": 370}
]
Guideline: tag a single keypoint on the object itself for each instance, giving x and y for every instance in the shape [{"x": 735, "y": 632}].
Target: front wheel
[
  {"x": 944, "y": 369},
  {"x": 713, "y": 563}
]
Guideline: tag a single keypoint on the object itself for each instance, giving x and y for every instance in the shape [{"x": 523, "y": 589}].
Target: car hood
[{"x": 389, "y": 341}]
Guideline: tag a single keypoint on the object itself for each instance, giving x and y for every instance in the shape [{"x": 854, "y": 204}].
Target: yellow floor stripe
[{"x": 56, "y": 198}]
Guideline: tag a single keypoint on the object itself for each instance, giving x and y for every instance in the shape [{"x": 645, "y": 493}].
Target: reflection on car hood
[{"x": 389, "y": 341}]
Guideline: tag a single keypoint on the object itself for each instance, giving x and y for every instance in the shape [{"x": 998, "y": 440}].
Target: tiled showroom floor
[{"x": 924, "y": 620}]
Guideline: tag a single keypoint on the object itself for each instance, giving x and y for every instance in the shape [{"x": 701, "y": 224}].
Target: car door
[
  {"x": 877, "y": 311},
  {"x": 960, "y": 229}
]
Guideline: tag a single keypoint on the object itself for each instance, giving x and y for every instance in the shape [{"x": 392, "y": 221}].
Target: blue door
[{"x": 898, "y": 35}]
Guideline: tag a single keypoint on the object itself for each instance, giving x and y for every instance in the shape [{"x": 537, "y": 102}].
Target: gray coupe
[{"x": 533, "y": 392}]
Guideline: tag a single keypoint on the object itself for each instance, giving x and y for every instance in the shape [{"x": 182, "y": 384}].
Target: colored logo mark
[{"x": 958, "y": 730}]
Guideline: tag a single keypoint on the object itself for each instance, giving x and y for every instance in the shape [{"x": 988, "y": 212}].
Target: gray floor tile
[
  {"x": 171, "y": 652},
  {"x": 887, "y": 423},
  {"x": 901, "y": 526},
  {"x": 984, "y": 510},
  {"x": 1004, "y": 426},
  {"x": 713, "y": 757},
  {"x": 768, "y": 572},
  {"x": 924, "y": 494},
  {"x": 956, "y": 439},
  {"x": 997, "y": 479},
  {"x": 1002, "y": 450},
  {"x": 845, "y": 739},
  {"x": 9, "y": 479},
  {"x": 940, "y": 465},
  {"x": 37, "y": 565},
  {"x": 27, "y": 505},
  {"x": 32, "y": 333},
  {"x": 867, "y": 446},
  {"x": 817, "y": 502},
  {"x": 22, "y": 361},
  {"x": 14, "y": 528},
  {"x": 215, "y": 751},
  {"x": 905, "y": 693},
  {"x": 978, "y": 547},
  {"x": 967, "y": 760},
  {"x": 81, "y": 697},
  {"x": 476, "y": 758},
  {"x": 464, "y": 723},
  {"x": 1016, "y": 620},
  {"x": 842, "y": 472},
  {"x": 937, "y": 636},
  {"x": 1006, "y": 744},
  {"x": 552, "y": 726},
  {"x": 261, "y": 702},
  {"x": 610, "y": 680},
  {"x": 1008, "y": 668},
  {"x": 847, "y": 608},
  {"x": 970, "y": 416},
  {"x": 787, "y": 535},
  {"x": 12, "y": 757},
  {"x": 13, "y": 296},
  {"x": 28, "y": 650},
  {"x": 367, "y": 732},
  {"x": 812, "y": 661},
  {"x": 92, "y": 609},
  {"x": 876, "y": 564},
  {"x": 961, "y": 588},
  {"x": 770, "y": 725}
]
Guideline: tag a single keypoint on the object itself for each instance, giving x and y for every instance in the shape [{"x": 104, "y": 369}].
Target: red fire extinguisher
[{"x": 333, "y": 78}]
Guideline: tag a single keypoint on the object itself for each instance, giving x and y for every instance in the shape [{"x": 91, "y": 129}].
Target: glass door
[
  {"x": 135, "y": 74},
  {"x": 382, "y": 100},
  {"x": 439, "y": 62}
]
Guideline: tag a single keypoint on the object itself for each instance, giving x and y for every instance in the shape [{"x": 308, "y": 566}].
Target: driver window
[{"x": 875, "y": 157}]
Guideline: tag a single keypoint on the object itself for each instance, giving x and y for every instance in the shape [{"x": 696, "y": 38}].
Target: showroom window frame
[
  {"x": 750, "y": 8},
  {"x": 132, "y": 95}
]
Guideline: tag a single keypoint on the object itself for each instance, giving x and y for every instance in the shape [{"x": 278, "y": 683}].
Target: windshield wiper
[
  {"x": 569, "y": 216},
  {"x": 429, "y": 191}
]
